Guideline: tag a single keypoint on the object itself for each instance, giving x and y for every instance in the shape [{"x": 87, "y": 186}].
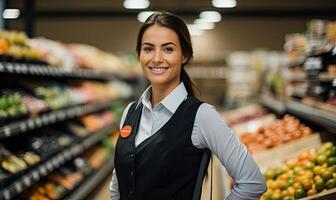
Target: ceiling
[{"x": 249, "y": 8}]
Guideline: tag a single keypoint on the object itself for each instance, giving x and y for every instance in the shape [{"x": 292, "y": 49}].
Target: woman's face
[{"x": 161, "y": 56}]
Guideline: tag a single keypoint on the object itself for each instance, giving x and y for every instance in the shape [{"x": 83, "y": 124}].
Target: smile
[{"x": 158, "y": 70}]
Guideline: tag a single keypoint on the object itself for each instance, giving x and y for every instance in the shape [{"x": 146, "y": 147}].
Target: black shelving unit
[
  {"x": 273, "y": 104},
  {"x": 45, "y": 70},
  {"x": 315, "y": 115},
  {"x": 42, "y": 170},
  {"x": 36, "y": 173},
  {"x": 50, "y": 118},
  {"x": 91, "y": 182}
]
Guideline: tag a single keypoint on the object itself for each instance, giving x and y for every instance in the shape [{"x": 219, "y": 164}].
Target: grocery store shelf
[
  {"x": 53, "y": 117},
  {"x": 93, "y": 181},
  {"x": 273, "y": 104},
  {"x": 51, "y": 164},
  {"x": 45, "y": 70},
  {"x": 327, "y": 195},
  {"x": 323, "y": 118}
]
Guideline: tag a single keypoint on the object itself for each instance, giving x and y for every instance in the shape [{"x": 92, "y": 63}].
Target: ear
[{"x": 184, "y": 60}]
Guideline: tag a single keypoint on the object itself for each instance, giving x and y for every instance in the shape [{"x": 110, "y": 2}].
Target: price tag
[
  {"x": 10, "y": 67},
  {"x": 17, "y": 68},
  {"x": 27, "y": 181},
  {"x": 38, "y": 122},
  {"x": 18, "y": 187},
  {"x": 49, "y": 166},
  {"x": 7, "y": 131},
  {"x": 30, "y": 123},
  {"x": 6, "y": 194},
  {"x": 54, "y": 162},
  {"x": 45, "y": 119},
  {"x": 24, "y": 68},
  {"x": 36, "y": 175},
  {"x": 23, "y": 127},
  {"x": 43, "y": 170},
  {"x": 52, "y": 118}
]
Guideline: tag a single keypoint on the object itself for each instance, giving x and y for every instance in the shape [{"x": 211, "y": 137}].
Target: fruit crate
[{"x": 276, "y": 155}]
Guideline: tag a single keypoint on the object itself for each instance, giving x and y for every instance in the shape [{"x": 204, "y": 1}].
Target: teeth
[{"x": 158, "y": 69}]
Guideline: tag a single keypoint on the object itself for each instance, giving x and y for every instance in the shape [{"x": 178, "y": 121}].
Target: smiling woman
[
  {"x": 161, "y": 58},
  {"x": 169, "y": 131}
]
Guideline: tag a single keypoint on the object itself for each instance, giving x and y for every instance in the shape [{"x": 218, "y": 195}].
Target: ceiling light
[
  {"x": 11, "y": 13},
  {"x": 142, "y": 16},
  {"x": 204, "y": 24},
  {"x": 136, "y": 4},
  {"x": 211, "y": 16},
  {"x": 194, "y": 31},
  {"x": 224, "y": 3}
]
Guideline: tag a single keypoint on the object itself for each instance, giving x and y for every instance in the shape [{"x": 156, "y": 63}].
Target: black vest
[{"x": 165, "y": 165}]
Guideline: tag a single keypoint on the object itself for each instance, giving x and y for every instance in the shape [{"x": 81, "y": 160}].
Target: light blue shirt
[{"x": 209, "y": 131}]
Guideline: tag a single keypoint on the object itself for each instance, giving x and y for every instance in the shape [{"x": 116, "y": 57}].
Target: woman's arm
[
  {"x": 114, "y": 188},
  {"x": 210, "y": 131}
]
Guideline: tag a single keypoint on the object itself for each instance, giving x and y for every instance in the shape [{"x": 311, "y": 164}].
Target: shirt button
[
  {"x": 132, "y": 173},
  {"x": 132, "y": 155}
]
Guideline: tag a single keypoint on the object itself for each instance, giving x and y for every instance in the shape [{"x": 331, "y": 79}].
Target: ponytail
[{"x": 188, "y": 83}]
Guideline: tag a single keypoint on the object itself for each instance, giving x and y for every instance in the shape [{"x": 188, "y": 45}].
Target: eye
[
  {"x": 148, "y": 49},
  {"x": 168, "y": 49}
]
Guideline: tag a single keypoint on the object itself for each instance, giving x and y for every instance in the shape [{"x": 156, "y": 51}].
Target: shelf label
[
  {"x": 18, "y": 187},
  {"x": 7, "y": 131},
  {"x": 43, "y": 170},
  {"x": 26, "y": 180},
  {"x": 36, "y": 175},
  {"x": 45, "y": 119},
  {"x": 49, "y": 166},
  {"x": 30, "y": 123},
  {"x": 6, "y": 194},
  {"x": 52, "y": 118},
  {"x": 23, "y": 127},
  {"x": 38, "y": 121},
  {"x": 10, "y": 67}
]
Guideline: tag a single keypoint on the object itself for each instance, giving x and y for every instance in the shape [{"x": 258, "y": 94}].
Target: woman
[{"x": 164, "y": 134}]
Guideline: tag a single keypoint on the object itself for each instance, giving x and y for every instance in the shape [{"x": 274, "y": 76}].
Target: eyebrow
[{"x": 165, "y": 44}]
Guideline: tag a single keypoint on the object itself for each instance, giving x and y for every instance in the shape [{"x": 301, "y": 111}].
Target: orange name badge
[{"x": 126, "y": 131}]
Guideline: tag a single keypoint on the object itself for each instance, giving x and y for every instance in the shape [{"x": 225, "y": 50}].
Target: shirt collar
[{"x": 170, "y": 102}]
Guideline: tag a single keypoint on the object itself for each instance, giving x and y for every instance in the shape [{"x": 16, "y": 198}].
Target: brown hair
[{"x": 176, "y": 24}]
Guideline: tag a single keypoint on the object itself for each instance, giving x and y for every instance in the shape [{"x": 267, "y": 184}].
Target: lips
[{"x": 158, "y": 70}]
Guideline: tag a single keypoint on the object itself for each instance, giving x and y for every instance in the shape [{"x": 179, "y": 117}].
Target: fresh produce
[
  {"x": 11, "y": 105},
  {"x": 275, "y": 134},
  {"x": 14, "y": 47},
  {"x": 313, "y": 171}
]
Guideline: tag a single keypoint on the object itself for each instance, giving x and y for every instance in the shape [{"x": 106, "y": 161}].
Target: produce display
[
  {"x": 30, "y": 98},
  {"x": 274, "y": 134},
  {"x": 14, "y": 47},
  {"x": 11, "y": 105},
  {"x": 244, "y": 114},
  {"x": 312, "y": 172},
  {"x": 63, "y": 181}
]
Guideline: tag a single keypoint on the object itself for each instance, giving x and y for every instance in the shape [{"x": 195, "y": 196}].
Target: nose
[{"x": 158, "y": 56}]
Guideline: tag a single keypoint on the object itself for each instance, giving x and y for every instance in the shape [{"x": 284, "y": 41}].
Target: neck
[{"x": 159, "y": 92}]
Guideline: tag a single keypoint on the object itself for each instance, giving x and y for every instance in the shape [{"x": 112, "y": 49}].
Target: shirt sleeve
[
  {"x": 114, "y": 187},
  {"x": 210, "y": 131}
]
